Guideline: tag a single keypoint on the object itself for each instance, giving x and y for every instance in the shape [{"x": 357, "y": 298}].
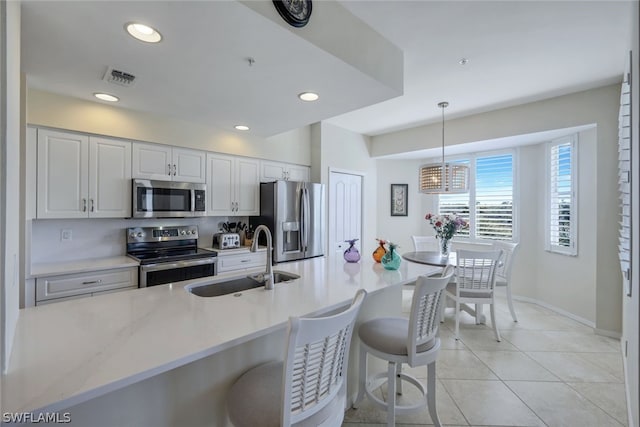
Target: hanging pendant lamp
[{"x": 443, "y": 177}]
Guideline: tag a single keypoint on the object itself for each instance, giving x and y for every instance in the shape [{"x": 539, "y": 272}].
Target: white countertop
[
  {"x": 81, "y": 266},
  {"x": 73, "y": 351}
]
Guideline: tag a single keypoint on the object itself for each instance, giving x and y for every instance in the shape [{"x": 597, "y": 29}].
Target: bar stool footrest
[{"x": 400, "y": 409}]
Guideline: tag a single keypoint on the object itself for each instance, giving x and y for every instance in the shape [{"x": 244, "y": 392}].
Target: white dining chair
[
  {"x": 413, "y": 341},
  {"x": 474, "y": 284},
  {"x": 309, "y": 387},
  {"x": 503, "y": 270},
  {"x": 425, "y": 243}
]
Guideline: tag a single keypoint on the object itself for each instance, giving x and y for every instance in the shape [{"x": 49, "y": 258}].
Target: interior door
[{"x": 345, "y": 210}]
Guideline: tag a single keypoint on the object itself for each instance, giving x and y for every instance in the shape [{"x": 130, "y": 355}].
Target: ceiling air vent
[{"x": 119, "y": 77}]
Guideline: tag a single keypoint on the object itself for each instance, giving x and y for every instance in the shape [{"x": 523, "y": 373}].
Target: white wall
[
  {"x": 538, "y": 274},
  {"x": 334, "y": 147},
  {"x": 11, "y": 176},
  {"x": 398, "y": 229},
  {"x": 64, "y": 112}
]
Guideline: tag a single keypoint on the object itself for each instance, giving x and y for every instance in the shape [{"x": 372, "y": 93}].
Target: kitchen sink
[{"x": 238, "y": 284}]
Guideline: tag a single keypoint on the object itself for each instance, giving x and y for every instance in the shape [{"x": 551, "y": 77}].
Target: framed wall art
[{"x": 399, "y": 200}]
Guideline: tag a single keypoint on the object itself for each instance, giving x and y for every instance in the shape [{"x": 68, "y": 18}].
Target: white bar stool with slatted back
[
  {"x": 413, "y": 341},
  {"x": 308, "y": 388}
]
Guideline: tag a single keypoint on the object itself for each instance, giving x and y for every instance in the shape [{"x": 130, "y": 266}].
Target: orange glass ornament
[{"x": 380, "y": 251}]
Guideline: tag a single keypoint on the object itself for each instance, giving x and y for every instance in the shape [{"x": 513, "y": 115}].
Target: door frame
[{"x": 362, "y": 176}]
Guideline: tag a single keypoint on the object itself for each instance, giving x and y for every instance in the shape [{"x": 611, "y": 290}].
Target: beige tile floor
[{"x": 548, "y": 370}]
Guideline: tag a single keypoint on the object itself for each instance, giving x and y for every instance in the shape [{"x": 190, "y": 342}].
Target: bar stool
[
  {"x": 308, "y": 388},
  {"x": 413, "y": 341}
]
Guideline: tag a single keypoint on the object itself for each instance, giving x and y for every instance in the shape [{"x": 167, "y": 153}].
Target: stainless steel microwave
[{"x": 168, "y": 199}]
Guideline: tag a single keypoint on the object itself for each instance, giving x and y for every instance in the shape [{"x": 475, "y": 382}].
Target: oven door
[
  {"x": 166, "y": 199},
  {"x": 172, "y": 272}
]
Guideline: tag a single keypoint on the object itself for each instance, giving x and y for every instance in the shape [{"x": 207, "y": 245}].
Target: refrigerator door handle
[{"x": 305, "y": 219}]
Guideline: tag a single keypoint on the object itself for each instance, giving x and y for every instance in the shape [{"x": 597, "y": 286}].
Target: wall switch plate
[{"x": 66, "y": 234}]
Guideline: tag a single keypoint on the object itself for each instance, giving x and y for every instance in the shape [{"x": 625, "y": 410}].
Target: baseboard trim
[
  {"x": 627, "y": 391},
  {"x": 607, "y": 333},
  {"x": 557, "y": 310}
]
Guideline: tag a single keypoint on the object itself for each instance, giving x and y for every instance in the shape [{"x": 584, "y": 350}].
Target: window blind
[
  {"x": 561, "y": 201},
  {"x": 624, "y": 179},
  {"x": 490, "y": 195},
  {"x": 494, "y": 197}
]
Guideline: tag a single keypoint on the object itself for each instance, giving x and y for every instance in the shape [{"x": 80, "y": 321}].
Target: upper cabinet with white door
[
  {"x": 233, "y": 185},
  {"x": 274, "y": 171},
  {"x": 80, "y": 176},
  {"x": 166, "y": 163}
]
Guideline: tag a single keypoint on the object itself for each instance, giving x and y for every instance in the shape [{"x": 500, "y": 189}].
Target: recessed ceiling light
[
  {"x": 463, "y": 61},
  {"x": 143, "y": 32},
  {"x": 106, "y": 97},
  {"x": 241, "y": 127},
  {"x": 308, "y": 96}
]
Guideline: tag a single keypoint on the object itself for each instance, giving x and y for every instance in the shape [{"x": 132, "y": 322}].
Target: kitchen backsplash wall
[{"x": 97, "y": 238}]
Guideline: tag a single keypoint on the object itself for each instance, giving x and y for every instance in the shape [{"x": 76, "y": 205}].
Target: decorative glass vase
[
  {"x": 444, "y": 247},
  {"x": 380, "y": 251},
  {"x": 391, "y": 260},
  {"x": 351, "y": 254}
]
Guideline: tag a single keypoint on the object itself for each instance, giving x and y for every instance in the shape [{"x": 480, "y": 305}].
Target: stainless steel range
[{"x": 169, "y": 254}]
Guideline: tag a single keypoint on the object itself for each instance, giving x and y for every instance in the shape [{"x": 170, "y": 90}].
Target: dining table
[
  {"x": 430, "y": 258},
  {"x": 436, "y": 259}
]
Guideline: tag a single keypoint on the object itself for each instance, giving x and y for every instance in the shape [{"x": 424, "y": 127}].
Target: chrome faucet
[{"x": 268, "y": 274}]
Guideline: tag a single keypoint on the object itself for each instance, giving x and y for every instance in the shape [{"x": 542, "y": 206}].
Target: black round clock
[{"x": 295, "y": 12}]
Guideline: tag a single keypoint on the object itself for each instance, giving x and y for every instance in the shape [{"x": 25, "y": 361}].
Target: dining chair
[
  {"x": 425, "y": 243},
  {"x": 413, "y": 341},
  {"x": 308, "y": 387},
  {"x": 503, "y": 270},
  {"x": 474, "y": 284}
]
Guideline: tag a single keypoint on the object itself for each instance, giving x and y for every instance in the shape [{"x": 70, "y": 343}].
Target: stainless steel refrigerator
[{"x": 294, "y": 212}]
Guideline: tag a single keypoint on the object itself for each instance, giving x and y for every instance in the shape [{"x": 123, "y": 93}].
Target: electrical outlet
[{"x": 66, "y": 234}]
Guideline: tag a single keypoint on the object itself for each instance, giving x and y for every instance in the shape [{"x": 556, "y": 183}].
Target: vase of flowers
[
  {"x": 351, "y": 254},
  {"x": 391, "y": 260},
  {"x": 380, "y": 250},
  {"x": 446, "y": 226}
]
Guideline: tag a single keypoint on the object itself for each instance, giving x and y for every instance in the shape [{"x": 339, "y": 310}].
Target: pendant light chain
[{"x": 443, "y": 171}]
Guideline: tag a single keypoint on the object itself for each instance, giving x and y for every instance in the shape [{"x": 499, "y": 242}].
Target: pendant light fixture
[{"x": 443, "y": 177}]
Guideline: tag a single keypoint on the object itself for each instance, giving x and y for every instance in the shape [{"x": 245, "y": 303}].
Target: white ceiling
[{"x": 518, "y": 51}]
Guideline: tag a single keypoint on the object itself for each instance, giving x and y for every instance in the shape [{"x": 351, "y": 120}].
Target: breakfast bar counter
[{"x": 75, "y": 351}]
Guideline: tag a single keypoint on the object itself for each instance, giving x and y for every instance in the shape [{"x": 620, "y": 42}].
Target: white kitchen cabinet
[
  {"x": 234, "y": 261},
  {"x": 233, "y": 186},
  {"x": 70, "y": 286},
  {"x": 273, "y": 171},
  {"x": 82, "y": 177},
  {"x": 166, "y": 163}
]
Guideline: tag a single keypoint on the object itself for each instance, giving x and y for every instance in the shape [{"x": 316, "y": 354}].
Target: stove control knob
[
  {"x": 132, "y": 235},
  {"x": 193, "y": 232},
  {"x": 139, "y": 234},
  {"x": 183, "y": 232}
]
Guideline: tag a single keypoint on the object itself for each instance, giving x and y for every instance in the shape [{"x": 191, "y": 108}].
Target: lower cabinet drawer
[
  {"x": 241, "y": 261},
  {"x": 54, "y": 287}
]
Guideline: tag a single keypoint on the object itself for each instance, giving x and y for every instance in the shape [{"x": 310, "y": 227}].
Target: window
[
  {"x": 491, "y": 195},
  {"x": 561, "y": 217}
]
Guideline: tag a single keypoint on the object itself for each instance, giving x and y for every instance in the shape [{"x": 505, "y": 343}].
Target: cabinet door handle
[
  {"x": 92, "y": 205},
  {"x": 84, "y": 205},
  {"x": 169, "y": 169},
  {"x": 92, "y": 282},
  {"x": 174, "y": 170}
]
